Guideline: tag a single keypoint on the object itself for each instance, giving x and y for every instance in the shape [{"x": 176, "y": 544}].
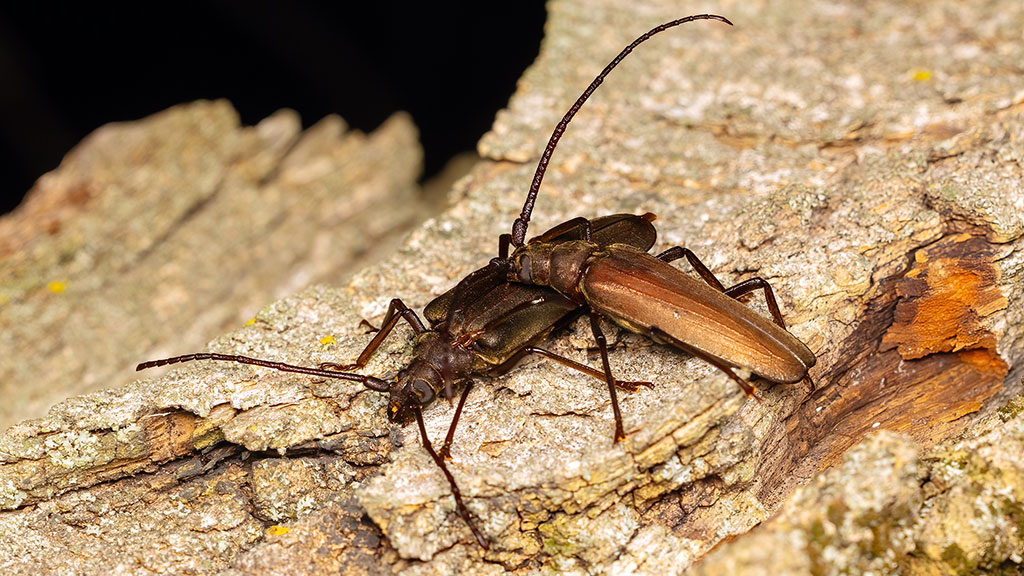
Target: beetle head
[{"x": 409, "y": 390}]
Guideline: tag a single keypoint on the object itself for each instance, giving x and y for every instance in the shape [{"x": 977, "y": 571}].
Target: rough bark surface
[
  {"x": 155, "y": 235},
  {"x": 888, "y": 509},
  {"x": 866, "y": 159}
]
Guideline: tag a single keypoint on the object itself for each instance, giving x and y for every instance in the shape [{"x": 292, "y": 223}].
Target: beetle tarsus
[{"x": 370, "y": 328}]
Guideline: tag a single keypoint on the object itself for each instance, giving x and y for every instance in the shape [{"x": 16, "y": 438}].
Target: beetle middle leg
[
  {"x": 396, "y": 310},
  {"x": 446, "y": 448}
]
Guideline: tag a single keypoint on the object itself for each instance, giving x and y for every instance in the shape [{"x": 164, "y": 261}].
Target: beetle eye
[
  {"x": 423, "y": 391},
  {"x": 524, "y": 269}
]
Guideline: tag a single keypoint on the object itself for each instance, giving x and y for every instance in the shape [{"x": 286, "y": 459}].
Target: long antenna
[
  {"x": 522, "y": 222},
  {"x": 370, "y": 382}
]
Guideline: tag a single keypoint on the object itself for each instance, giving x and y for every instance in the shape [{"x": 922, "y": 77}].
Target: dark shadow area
[{"x": 67, "y": 70}]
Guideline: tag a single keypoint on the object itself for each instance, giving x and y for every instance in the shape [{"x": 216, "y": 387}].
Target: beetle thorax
[{"x": 559, "y": 265}]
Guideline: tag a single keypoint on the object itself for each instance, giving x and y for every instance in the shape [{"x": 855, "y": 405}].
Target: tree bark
[{"x": 867, "y": 163}]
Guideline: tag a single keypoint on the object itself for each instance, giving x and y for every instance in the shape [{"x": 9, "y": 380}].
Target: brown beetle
[{"x": 645, "y": 294}]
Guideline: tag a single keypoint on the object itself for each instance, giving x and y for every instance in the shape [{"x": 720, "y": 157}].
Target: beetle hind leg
[
  {"x": 627, "y": 385},
  {"x": 745, "y": 287},
  {"x": 750, "y": 390}
]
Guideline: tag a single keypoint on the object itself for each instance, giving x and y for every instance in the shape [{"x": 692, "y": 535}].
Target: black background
[{"x": 66, "y": 69}]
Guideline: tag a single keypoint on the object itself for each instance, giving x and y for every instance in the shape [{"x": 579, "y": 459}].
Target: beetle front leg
[
  {"x": 446, "y": 448},
  {"x": 460, "y": 506},
  {"x": 396, "y": 310}
]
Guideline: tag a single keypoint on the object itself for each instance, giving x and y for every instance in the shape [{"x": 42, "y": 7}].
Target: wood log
[
  {"x": 864, "y": 160},
  {"x": 159, "y": 234}
]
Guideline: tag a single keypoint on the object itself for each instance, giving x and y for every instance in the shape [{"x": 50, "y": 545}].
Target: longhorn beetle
[
  {"x": 645, "y": 294},
  {"x": 493, "y": 317}
]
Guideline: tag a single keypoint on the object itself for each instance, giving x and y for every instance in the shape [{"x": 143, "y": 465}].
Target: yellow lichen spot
[
  {"x": 56, "y": 287},
  {"x": 276, "y": 530},
  {"x": 249, "y": 322},
  {"x": 922, "y": 76},
  {"x": 327, "y": 340}
]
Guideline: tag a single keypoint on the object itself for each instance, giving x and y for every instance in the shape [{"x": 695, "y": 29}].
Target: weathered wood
[
  {"x": 889, "y": 509},
  {"x": 865, "y": 160},
  {"x": 153, "y": 236}
]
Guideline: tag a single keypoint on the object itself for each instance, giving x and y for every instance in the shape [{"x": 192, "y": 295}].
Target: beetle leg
[
  {"x": 369, "y": 327},
  {"x": 602, "y": 343},
  {"x": 504, "y": 241},
  {"x": 750, "y": 390},
  {"x": 446, "y": 448},
  {"x": 736, "y": 291},
  {"x": 677, "y": 252},
  {"x": 504, "y": 367},
  {"x": 769, "y": 296},
  {"x": 459, "y": 505},
  {"x": 396, "y": 310}
]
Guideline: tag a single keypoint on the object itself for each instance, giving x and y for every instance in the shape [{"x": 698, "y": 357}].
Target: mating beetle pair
[{"x": 496, "y": 315}]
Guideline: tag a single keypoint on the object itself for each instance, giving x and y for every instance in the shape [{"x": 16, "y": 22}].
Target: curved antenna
[{"x": 523, "y": 221}]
